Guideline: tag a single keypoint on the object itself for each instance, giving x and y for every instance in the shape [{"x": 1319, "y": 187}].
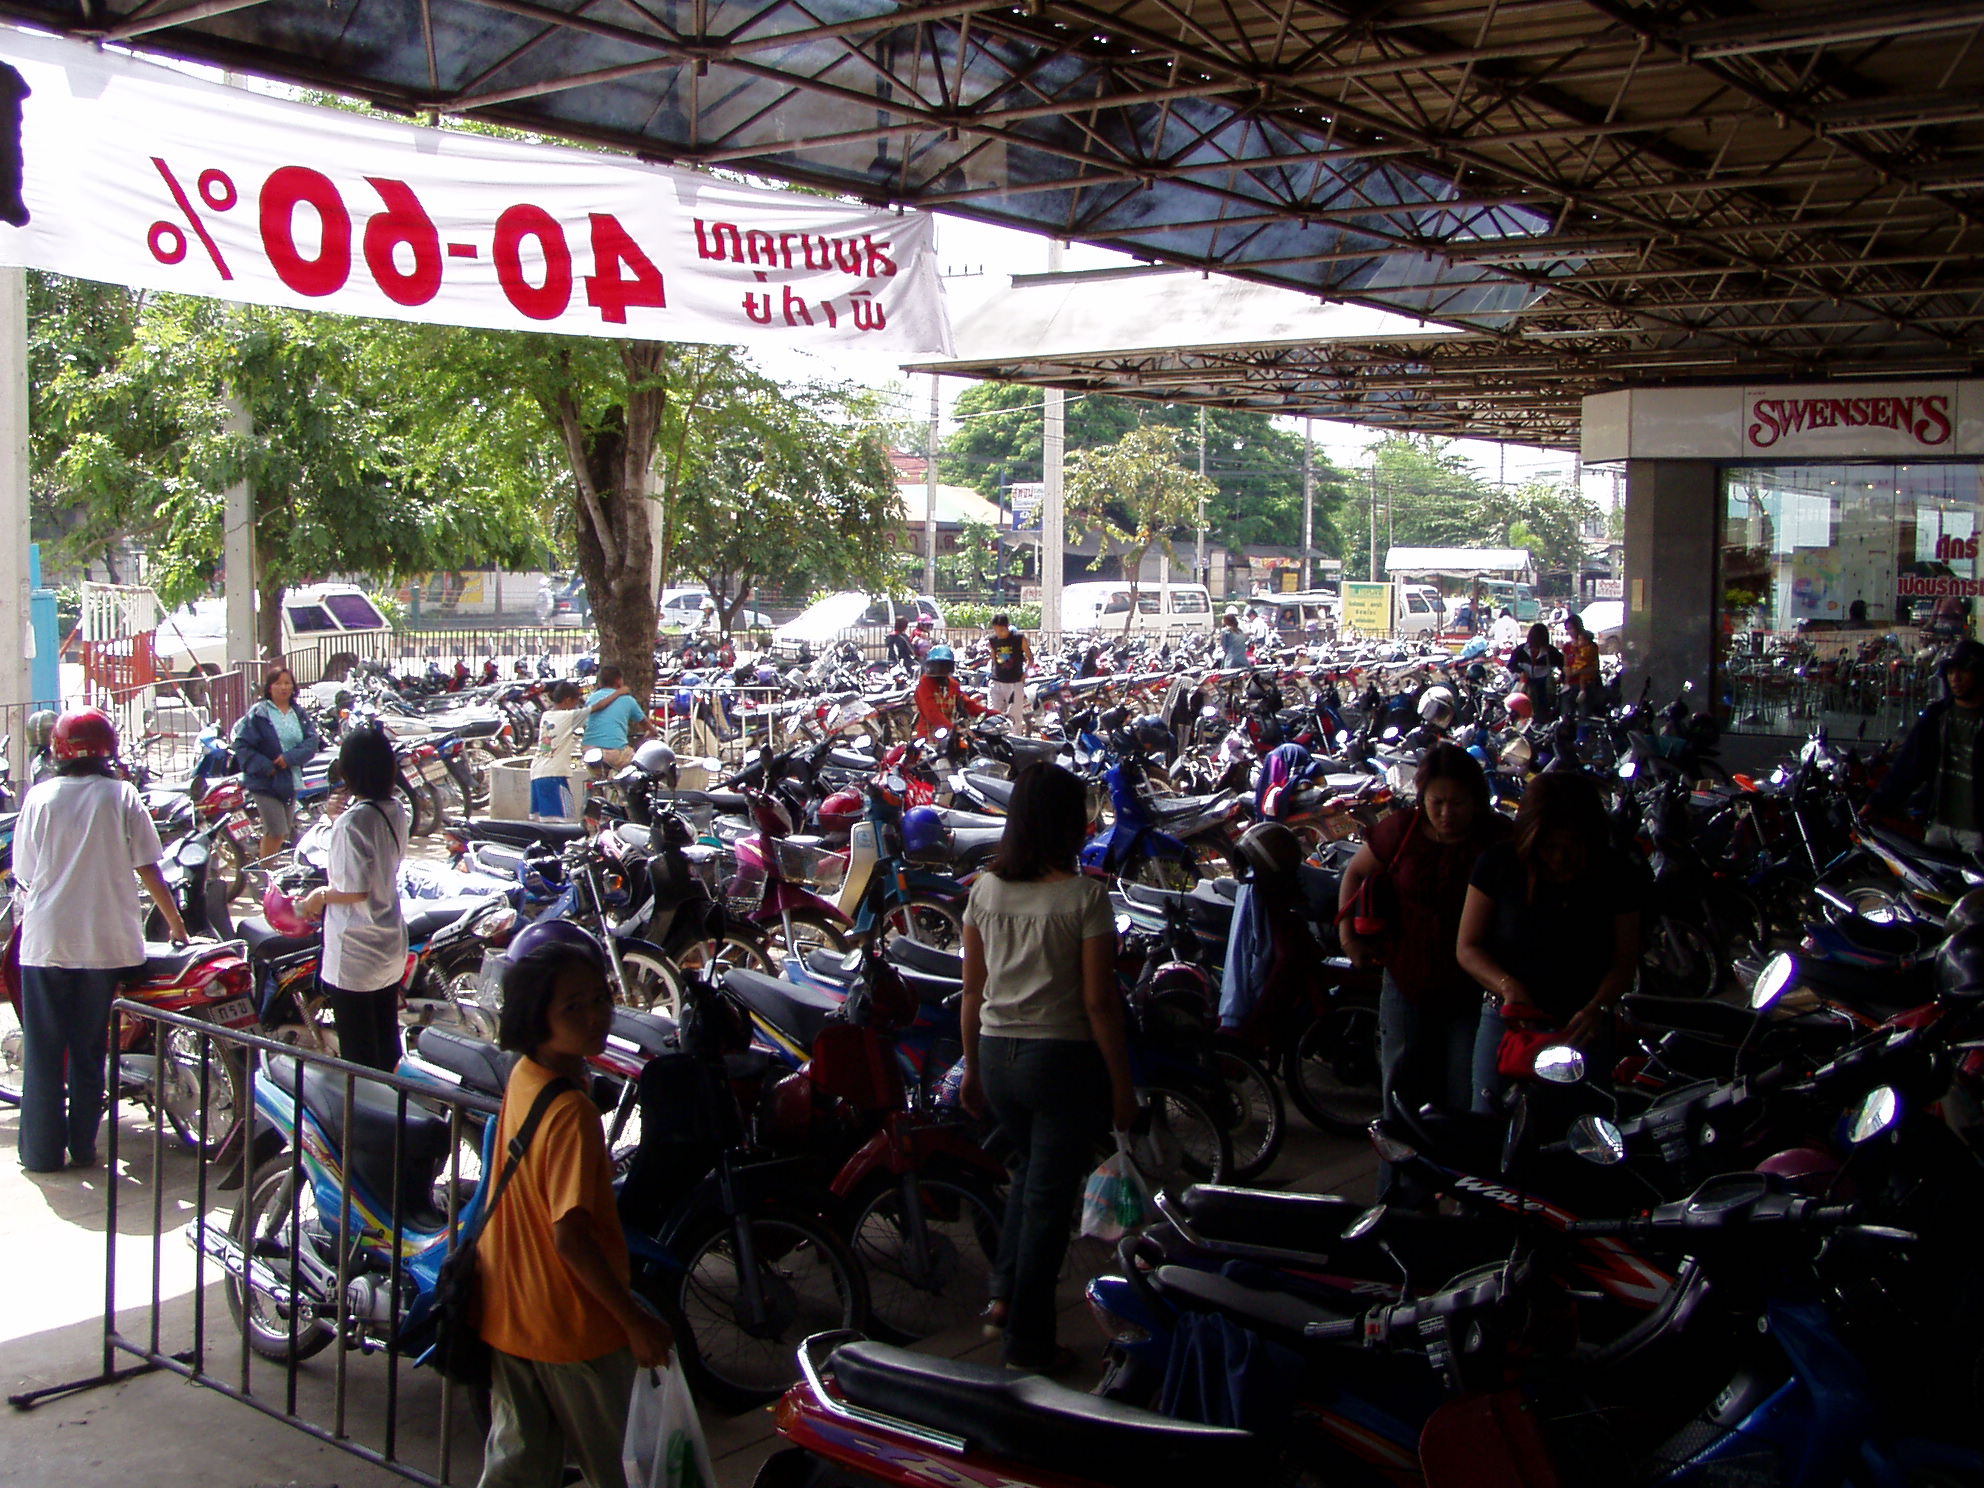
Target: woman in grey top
[{"x": 1043, "y": 1043}]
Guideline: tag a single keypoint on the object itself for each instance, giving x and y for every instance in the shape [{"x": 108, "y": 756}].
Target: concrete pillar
[
  {"x": 16, "y": 633},
  {"x": 238, "y": 549},
  {"x": 1673, "y": 528}
]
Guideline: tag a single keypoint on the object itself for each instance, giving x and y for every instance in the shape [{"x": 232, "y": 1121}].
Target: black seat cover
[
  {"x": 799, "y": 1012},
  {"x": 1431, "y": 1247},
  {"x": 1026, "y": 1418},
  {"x": 650, "y": 1033},
  {"x": 424, "y": 924},
  {"x": 480, "y": 1064},
  {"x": 166, "y": 963},
  {"x": 1719, "y": 1021},
  {"x": 827, "y": 964},
  {"x": 512, "y": 832},
  {"x": 728, "y": 803},
  {"x": 1177, "y": 808},
  {"x": 954, "y": 818},
  {"x": 1896, "y": 939},
  {"x": 1277, "y": 1313},
  {"x": 267, "y": 944},
  {"x": 916, "y": 956},
  {"x": 374, "y": 1114},
  {"x": 995, "y": 790}
]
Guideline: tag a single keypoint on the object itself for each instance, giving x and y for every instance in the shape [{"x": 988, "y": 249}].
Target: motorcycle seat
[
  {"x": 913, "y": 955},
  {"x": 1719, "y": 1021},
  {"x": 167, "y": 963},
  {"x": 375, "y": 1115},
  {"x": 1027, "y": 750},
  {"x": 828, "y": 965},
  {"x": 265, "y": 943},
  {"x": 848, "y": 759},
  {"x": 998, "y": 792},
  {"x": 1264, "y": 1311},
  {"x": 1026, "y": 1418},
  {"x": 480, "y": 1064},
  {"x": 955, "y": 819},
  {"x": 511, "y": 832},
  {"x": 966, "y": 849},
  {"x": 422, "y": 924},
  {"x": 649, "y": 1033},
  {"x": 1313, "y": 1224},
  {"x": 799, "y": 1012},
  {"x": 1893, "y": 939},
  {"x": 1178, "y": 808},
  {"x": 724, "y": 803}
]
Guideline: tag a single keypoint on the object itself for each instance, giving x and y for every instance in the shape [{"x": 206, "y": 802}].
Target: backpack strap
[{"x": 520, "y": 1144}]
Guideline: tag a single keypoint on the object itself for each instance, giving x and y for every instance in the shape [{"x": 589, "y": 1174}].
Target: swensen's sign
[{"x": 1794, "y": 421}]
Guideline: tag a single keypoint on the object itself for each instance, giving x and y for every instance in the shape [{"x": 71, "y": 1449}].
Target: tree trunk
[
  {"x": 614, "y": 526},
  {"x": 268, "y": 618}
]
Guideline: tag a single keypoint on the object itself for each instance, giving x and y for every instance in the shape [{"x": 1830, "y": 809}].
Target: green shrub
[{"x": 971, "y": 615}]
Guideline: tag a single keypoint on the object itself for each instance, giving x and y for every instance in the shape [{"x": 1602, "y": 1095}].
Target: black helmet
[{"x": 1269, "y": 849}]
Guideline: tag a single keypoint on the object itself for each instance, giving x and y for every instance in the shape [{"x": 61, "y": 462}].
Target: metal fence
[{"x": 361, "y": 1394}]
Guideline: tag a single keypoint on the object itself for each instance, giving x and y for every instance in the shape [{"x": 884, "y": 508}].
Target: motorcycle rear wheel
[
  {"x": 654, "y": 983},
  {"x": 1263, "y": 1116},
  {"x": 927, "y": 921},
  {"x": 1192, "y": 1143},
  {"x": 263, "y": 1224},
  {"x": 811, "y": 1283},
  {"x": 1332, "y": 1072},
  {"x": 226, "y": 1090},
  {"x": 914, "y": 1297}
]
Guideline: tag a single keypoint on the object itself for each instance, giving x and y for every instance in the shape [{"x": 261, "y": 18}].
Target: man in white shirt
[{"x": 80, "y": 838}]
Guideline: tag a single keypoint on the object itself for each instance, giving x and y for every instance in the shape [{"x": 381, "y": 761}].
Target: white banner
[{"x": 136, "y": 174}]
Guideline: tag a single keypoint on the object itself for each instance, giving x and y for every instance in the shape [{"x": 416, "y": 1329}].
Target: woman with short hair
[{"x": 272, "y": 743}]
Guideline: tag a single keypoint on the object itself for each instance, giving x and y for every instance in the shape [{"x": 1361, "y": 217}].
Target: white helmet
[
  {"x": 1232, "y": 613},
  {"x": 1436, "y": 706}
]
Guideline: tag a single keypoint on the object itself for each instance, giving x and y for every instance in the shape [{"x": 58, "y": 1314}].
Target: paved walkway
[{"x": 159, "y": 1431}]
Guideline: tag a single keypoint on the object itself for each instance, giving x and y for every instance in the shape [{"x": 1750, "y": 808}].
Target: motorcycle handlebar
[{"x": 1337, "y": 1330}]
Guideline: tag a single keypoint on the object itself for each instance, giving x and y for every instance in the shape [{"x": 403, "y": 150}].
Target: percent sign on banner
[{"x": 262, "y": 200}]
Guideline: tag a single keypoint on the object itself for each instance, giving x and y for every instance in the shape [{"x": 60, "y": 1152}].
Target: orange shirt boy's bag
[{"x": 444, "y": 1334}]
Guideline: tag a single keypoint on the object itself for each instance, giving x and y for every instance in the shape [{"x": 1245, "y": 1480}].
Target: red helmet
[
  {"x": 281, "y": 913},
  {"x": 84, "y": 733},
  {"x": 840, "y": 811},
  {"x": 1520, "y": 707}
]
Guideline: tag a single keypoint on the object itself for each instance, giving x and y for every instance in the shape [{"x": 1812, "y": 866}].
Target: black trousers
[{"x": 368, "y": 1025}]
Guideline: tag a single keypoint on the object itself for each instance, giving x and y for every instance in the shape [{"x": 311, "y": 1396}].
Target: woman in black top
[
  {"x": 1551, "y": 926},
  {"x": 1536, "y": 665}
]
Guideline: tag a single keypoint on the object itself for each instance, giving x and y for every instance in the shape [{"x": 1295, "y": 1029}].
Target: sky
[{"x": 967, "y": 253}]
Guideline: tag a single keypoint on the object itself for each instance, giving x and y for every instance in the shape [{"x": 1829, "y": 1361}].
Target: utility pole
[
  {"x": 1199, "y": 573},
  {"x": 1052, "y": 511},
  {"x": 930, "y": 498},
  {"x": 1373, "y": 473},
  {"x": 1308, "y": 497},
  {"x": 238, "y": 549}
]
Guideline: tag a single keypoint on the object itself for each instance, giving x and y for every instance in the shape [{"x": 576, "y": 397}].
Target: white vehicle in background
[
  {"x": 327, "y": 629},
  {"x": 865, "y": 619},
  {"x": 1420, "y": 611},
  {"x": 1103, "y": 607},
  {"x": 682, "y": 609}
]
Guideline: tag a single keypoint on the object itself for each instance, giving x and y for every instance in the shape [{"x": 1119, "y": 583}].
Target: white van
[
  {"x": 1161, "y": 609},
  {"x": 1420, "y": 610},
  {"x": 327, "y": 629}
]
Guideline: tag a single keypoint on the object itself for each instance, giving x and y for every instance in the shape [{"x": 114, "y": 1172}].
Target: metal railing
[{"x": 309, "y": 1287}]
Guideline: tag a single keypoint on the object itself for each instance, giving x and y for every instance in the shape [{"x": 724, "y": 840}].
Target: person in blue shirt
[{"x": 617, "y": 718}]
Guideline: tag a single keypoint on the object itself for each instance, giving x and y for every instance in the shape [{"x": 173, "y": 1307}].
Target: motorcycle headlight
[
  {"x": 495, "y": 926},
  {"x": 1779, "y": 975}
]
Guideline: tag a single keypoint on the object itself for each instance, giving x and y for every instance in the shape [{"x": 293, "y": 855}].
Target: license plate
[
  {"x": 434, "y": 770},
  {"x": 241, "y": 1010}
]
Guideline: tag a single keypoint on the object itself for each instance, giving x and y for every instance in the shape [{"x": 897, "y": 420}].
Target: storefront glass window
[{"x": 1841, "y": 587}]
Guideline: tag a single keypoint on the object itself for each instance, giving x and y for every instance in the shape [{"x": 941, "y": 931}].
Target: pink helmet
[{"x": 280, "y": 911}]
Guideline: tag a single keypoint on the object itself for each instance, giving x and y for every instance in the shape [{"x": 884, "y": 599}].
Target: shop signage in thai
[{"x": 1367, "y": 608}]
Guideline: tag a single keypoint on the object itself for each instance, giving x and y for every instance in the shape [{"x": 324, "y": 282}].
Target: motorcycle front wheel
[
  {"x": 226, "y": 1097},
  {"x": 927, "y": 1285},
  {"x": 271, "y": 1226},
  {"x": 1186, "y": 1143},
  {"x": 1332, "y": 1072},
  {"x": 808, "y": 1282},
  {"x": 1263, "y": 1117},
  {"x": 654, "y": 983},
  {"x": 927, "y": 921}
]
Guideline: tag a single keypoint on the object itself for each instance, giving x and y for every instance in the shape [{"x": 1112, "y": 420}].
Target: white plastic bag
[
  {"x": 664, "y": 1447},
  {"x": 1116, "y": 1199}
]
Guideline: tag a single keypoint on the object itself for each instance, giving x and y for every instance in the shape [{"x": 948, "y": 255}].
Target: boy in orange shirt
[{"x": 565, "y": 1328}]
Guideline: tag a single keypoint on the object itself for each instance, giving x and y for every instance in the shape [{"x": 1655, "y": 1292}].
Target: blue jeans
[
  {"x": 1426, "y": 1056},
  {"x": 65, "y": 1035},
  {"x": 1052, "y": 1098}
]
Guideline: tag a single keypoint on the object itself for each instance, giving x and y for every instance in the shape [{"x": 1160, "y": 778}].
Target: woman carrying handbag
[{"x": 1414, "y": 871}]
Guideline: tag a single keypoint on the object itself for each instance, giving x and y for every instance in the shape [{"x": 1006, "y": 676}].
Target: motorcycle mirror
[
  {"x": 1779, "y": 975},
  {"x": 1628, "y": 768},
  {"x": 1560, "y": 1064},
  {"x": 1597, "y": 1140},
  {"x": 1878, "y": 1112},
  {"x": 1366, "y": 1222}
]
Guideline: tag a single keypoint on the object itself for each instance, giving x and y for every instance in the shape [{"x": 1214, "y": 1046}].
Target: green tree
[
  {"x": 1254, "y": 464},
  {"x": 1545, "y": 517},
  {"x": 138, "y": 442},
  {"x": 1133, "y": 495},
  {"x": 1424, "y": 495},
  {"x": 784, "y": 487},
  {"x": 976, "y": 557}
]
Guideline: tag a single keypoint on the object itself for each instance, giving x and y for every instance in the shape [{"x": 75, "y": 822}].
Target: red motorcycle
[{"x": 207, "y": 980}]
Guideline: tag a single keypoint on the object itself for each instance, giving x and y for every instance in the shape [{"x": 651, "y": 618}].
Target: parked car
[
  {"x": 327, "y": 629},
  {"x": 681, "y": 608},
  {"x": 865, "y": 619},
  {"x": 1103, "y": 606},
  {"x": 561, "y": 601}
]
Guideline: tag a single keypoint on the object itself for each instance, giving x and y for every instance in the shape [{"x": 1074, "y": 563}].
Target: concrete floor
[{"x": 159, "y": 1430}]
